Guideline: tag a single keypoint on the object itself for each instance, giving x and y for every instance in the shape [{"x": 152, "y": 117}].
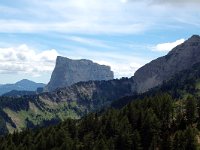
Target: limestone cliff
[{"x": 68, "y": 72}]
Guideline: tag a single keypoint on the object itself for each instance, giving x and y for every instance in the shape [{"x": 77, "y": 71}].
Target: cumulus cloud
[
  {"x": 165, "y": 47},
  {"x": 24, "y": 60}
]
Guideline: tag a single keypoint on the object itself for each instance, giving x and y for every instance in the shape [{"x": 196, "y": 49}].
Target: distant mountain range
[{"x": 23, "y": 85}]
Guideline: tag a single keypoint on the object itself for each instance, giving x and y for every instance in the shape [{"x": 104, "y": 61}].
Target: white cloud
[
  {"x": 76, "y": 16},
  {"x": 124, "y": 1},
  {"x": 89, "y": 41},
  {"x": 77, "y": 26},
  {"x": 175, "y": 1},
  {"x": 124, "y": 68},
  {"x": 93, "y": 16},
  {"x": 24, "y": 60},
  {"x": 165, "y": 47}
]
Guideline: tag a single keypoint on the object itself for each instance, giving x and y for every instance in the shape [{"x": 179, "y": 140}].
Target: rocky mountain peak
[
  {"x": 68, "y": 72},
  {"x": 162, "y": 69},
  {"x": 192, "y": 43},
  {"x": 194, "y": 38}
]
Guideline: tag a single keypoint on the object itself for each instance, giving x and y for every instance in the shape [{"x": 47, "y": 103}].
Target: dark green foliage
[
  {"x": 191, "y": 110},
  {"x": 15, "y": 104},
  {"x": 150, "y": 123}
]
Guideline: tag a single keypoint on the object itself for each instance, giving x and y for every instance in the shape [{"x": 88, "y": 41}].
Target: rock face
[
  {"x": 68, "y": 72},
  {"x": 97, "y": 93},
  {"x": 162, "y": 69}
]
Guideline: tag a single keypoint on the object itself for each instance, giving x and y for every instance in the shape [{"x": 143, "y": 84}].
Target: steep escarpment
[
  {"x": 68, "y": 72},
  {"x": 180, "y": 58}
]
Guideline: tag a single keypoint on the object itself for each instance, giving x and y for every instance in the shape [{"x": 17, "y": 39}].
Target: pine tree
[
  {"x": 191, "y": 110},
  {"x": 191, "y": 138},
  {"x": 136, "y": 141},
  {"x": 179, "y": 141},
  {"x": 150, "y": 129},
  {"x": 101, "y": 145}
]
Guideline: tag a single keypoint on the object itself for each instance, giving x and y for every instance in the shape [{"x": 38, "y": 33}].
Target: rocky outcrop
[
  {"x": 162, "y": 69},
  {"x": 98, "y": 92},
  {"x": 68, "y": 72}
]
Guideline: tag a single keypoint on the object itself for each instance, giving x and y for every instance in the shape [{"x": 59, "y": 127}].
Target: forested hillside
[
  {"x": 158, "y": 122},
  {"x": 70, "y": 102},
  {"x": 166, "y": 117}
]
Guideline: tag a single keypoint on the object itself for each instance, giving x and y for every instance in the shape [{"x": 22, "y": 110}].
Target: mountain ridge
[
  {"x": 163, "y": 68},
  {"x": 22, "y": 85}
]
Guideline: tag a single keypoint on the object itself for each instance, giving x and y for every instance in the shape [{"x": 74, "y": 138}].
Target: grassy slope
[{"x": 38, "y": 113}]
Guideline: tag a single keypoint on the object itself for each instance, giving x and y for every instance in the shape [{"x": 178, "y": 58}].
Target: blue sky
[{"x": 124, "y": 34}]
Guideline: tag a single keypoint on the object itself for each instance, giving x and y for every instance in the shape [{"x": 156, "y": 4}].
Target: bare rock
[
  {"x": 162, "y": 69},
  {"x": 68, "y": 72}
]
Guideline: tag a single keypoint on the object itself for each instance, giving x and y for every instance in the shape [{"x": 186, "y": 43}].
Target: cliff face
[
  {"x": 180, "y": 58},
  {"x": 68, "y": 72}
]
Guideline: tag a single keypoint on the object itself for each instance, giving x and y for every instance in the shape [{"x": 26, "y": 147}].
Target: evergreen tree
[
  {"x": 191, "y": 110},
  {"x": 179, "y": 141},
  {"x": 101, "y": 145},
  {"x": 136, "y": 141},
  {"x": 191, "y": 138}
]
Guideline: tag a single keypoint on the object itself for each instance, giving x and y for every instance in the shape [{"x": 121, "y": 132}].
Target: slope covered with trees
[
  {"x": 70, "y": 102},
  {"x": 158, "y": 122},
  {"x": 166, "y": 117}
]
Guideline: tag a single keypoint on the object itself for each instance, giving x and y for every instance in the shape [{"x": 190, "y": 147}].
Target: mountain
[
  {"x": 149, "y": 76},
  {"x": 68, "y": 72},
  {"x": 79, "y": 99},
  {"x": 157, "y": 122},
  {"x": 182, "y": 85},
  {"x": 15, "y": 93},
  {"x": 162, "y": 69},
  {"x": 70, "y": 102},
  {"x": 23, "y": 85},
  {"x": 165, "y": 117}
]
